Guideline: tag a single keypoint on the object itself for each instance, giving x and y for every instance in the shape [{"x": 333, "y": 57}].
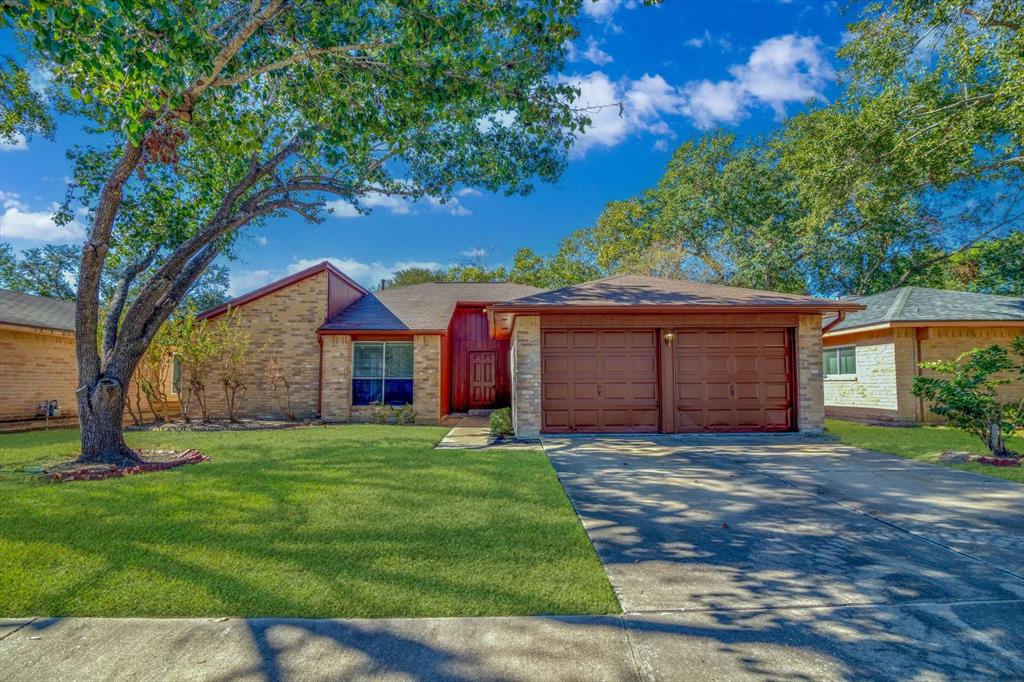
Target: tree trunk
[{"x": 101, "y": 411}]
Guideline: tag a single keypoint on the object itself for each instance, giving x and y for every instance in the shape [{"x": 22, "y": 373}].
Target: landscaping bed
[
  {"x": 153, "y": 460},
  {"x": 224, "y": 425},
  {"x": 342, "y": 521}
]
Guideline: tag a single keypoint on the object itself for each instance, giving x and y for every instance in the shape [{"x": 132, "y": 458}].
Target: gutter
[{"x": 840, "y": 316}]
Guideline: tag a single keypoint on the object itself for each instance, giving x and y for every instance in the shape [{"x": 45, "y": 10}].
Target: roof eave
[
  {"x": 677, "y": 308},
  {"x": 910, "y": 324}
]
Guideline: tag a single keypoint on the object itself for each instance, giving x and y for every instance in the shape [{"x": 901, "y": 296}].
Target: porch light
[{"x": 669, "y": 336}]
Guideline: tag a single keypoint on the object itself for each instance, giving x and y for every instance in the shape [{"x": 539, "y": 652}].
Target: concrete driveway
[{"x": 796, "y": 557}]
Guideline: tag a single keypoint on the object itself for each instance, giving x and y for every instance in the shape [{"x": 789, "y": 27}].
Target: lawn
[
  {"x": 347, "y": 521},
  {"x": 924, "y": 443}
]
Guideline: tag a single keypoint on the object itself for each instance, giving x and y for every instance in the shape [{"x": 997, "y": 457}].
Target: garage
[{"x": 638, "y": 354}]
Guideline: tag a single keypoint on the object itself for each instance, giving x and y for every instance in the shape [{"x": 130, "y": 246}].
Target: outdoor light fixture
[{"x": 669, "y": 336}]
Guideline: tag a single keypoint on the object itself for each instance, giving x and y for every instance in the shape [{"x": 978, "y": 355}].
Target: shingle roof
[
  {"x": 36, "y": 311},
  {"x": 919, "y": 304},
  {"x": 427, "y": 306},
  {"x": 639, "y": 290}
]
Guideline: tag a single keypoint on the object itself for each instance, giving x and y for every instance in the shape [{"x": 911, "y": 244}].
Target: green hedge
[{"x": 501, "y": 423}]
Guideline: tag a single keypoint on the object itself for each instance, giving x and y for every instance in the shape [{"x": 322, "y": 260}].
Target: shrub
[
  {"x": 501, "y": 423},
  {"x": 967, "y": 398},
  {"x": 405, "y": 414},
  {"x": 380, "y": 413}
]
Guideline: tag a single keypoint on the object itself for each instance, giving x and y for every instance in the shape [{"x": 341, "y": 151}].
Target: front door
[{"x": 482, "y": 383}]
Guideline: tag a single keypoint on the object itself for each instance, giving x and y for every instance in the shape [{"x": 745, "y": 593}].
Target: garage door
[
  {"x": 599, "y": 381},
  {"x": 732, "y": 380}
]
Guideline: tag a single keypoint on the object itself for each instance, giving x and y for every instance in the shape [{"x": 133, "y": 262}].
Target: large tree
[{"x": 225, "y": 114}]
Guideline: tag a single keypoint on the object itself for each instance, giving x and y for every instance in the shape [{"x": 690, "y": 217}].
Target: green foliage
[
  {"x": 992, "y": 266},
  {"x": 197, "y": 348},
  {"x": 232, "y": 344},
  {"x": 23, "y": 111},
  {"x": 49, "y": 270},
  {"x": 415, "y": 276},
  {"x": 968, "y": 397},
  {"x": 405, "y": 415},
  {"x": 501, "y": 423}
]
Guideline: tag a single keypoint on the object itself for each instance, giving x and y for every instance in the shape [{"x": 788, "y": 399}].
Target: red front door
[{"x": 482, "y": 383}]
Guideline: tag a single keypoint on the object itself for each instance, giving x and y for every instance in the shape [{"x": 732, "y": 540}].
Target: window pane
[
  {"x": 367, "y": 359},
  {"x": 399, "y": 360},
  {"x": 848, "y": 360},
  {"x": 366, "y": 391},
  {"x": 398, "y": 391},
  {"x": 831, "y": 362}
]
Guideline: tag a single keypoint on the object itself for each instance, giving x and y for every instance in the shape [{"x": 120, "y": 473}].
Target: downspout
[
  {"x": 320, "y": 376},
  {"x": 840, "y": 316}
]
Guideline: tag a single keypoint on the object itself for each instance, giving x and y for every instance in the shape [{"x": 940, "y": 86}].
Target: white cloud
[
  {"x": 699, "y": 42},
  {"x": 367, "y": 274},
  {"x": 262, "y": 241},
  {"x": 18, "y": 144},
  {"x": 468, "y": 192},
  {"x": 593, "y": 53},
  {"x": 644, "y": 101},
  {"x": 475, "y": 252},
  {"x": 601, "y": 10},
  {"x": 19, "y": 222},
  {"x": 398, "y": 205},
  {"x": 780, "y": 71}
]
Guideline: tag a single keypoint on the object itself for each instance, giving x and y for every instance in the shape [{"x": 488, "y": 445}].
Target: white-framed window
[
  {"x": 176, "y": 374},
  {"x": 840, "y": 361},
  {"x": 382, "y": 372}
]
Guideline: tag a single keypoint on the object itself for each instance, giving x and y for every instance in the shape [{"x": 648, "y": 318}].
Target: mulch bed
[
  {"x": 155, "y": 460},
  {"x": 954, "y": 457},
  {"x": 225, "y": 425}
]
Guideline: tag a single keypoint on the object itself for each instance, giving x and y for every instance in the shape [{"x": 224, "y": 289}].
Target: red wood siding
[
  {"x": 340, "y": 295},
  {"x": 470, "y": 334}
]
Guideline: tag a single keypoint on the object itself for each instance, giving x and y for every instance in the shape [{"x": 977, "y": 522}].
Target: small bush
[
  {"x": 501, "y": 423},
  {"x": 405, "y": 414},
  {"x": 380, "y": 413}
]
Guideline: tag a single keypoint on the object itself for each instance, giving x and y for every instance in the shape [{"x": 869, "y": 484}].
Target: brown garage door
[
  {"x": 599, "y": 381},
  {"x": 732, "y": 380}
]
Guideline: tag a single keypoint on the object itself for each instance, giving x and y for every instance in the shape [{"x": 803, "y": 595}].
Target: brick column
[
  {"x": 336, "y": 389},
  {"x": 426, "y": 378},
  {"x": 526, "y": 417},
  {"x": 809, "y": 375}
]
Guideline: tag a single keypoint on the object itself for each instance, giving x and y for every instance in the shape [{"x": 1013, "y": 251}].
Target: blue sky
[{"x": 680, "y": 68}]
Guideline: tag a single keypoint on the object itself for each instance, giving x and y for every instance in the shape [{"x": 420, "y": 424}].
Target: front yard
[
  {"x": 350, "y": 521},
  {"x": 924, "y": 443}
]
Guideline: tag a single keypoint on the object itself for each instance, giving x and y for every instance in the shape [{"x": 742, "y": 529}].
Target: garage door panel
[
  {"x": 735, "y": 380},
  {"x": 555, "y": 339},
  {"x": 612, "y": 380},
  {"x": 555, "y": 390}
]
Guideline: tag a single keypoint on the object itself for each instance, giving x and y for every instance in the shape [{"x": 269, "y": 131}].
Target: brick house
[
  {"x": 37, "y": 363},
  {"x": 623, "y": 354},
  {"x": 37, "y": 355},
  {"x": 871, "y": 357}
]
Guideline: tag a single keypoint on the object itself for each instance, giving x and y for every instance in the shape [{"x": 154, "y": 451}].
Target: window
[
  {"x": 381, "y": 372},
  {"x": 841, "y": 360}
]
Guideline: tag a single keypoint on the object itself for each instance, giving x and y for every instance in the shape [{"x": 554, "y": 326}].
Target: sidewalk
[
  {"x": 831, "y": 643},
  {"x": 471, "y": 432}
]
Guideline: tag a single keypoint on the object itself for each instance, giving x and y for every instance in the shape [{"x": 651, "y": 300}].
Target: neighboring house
[
  {"x": 37, "y": 355},
  {"x": 871, "y": 357},
  {"x": 623, "y": 354},
  {"x": 37, "y": 362}
]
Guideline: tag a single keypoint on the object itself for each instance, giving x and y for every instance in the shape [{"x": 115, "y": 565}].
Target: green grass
[
  {"x": 349, "y": 521},
  {"x": 924, "y": 443}
]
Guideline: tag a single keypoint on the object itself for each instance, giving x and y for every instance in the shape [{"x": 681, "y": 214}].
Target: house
[
  {"x": 623, "y": 354},
  {"x": 37, "y": 355},
  {"x": 871, "y": 357},
  {"x": 37, "y": 366}
]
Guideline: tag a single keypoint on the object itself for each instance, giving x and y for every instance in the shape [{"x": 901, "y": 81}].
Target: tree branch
[
  {"x": 340, "y": 50},
  {"x": 124, "y": 283}
]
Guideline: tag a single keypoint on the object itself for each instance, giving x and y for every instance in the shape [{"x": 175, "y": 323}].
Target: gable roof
[
  {"x": 420, "y": 307},
  {"x": 27, "y": 310},
  {"x": 920, "y": 304},
  {"x": 323, "y": 266},
  {"x": 636, "y": 291}
]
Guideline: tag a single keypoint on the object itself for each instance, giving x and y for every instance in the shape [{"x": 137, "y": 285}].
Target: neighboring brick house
[
  {"x": 37, "y": 355},
  {"x": 37, "y": 361},
  {"x": 871, "y": 357},
  {"x": 623, "y": 354}
]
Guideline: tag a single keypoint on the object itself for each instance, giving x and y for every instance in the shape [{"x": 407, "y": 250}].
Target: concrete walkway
[
  {"x": 472, "y": 432},
  {"x": 849, "y": 643}
]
